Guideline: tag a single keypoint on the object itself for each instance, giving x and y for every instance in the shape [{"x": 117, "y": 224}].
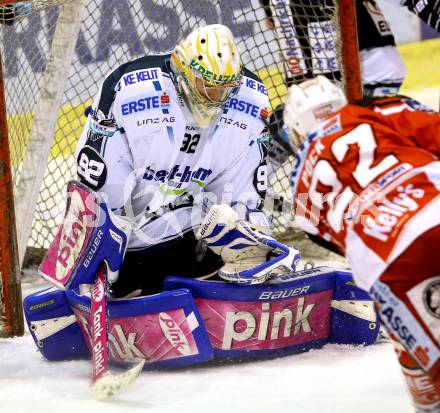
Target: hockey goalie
[
  {"x": 256, "y": 307},
  {"x": 165, "y": 224}
]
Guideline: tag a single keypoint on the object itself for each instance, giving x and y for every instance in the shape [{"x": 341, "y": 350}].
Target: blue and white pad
[
  {"x": 166, "y": 329},
  {"x": 53, "y": 325},
  {"x": 288, "y": 314},
  {"x": 195, "y": 320},
  {"x": 89, "y": 235},
  {"x": 354, "y": 318}
]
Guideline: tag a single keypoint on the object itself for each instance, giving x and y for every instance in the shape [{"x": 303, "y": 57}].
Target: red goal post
[
  {"x": 42, "y": 104},
  {"x": 11, "y": 321},
  {"x": 350, "y": 50},
  {"x": 11, "y": 314}
]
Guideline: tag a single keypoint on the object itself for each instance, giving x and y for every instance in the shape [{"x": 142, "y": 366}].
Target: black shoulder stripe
[
  {"x": 145, "y": 62},
  {"x": 388, "y": 100},
  {"x": 251, "y": 75},
  {"x": 380, "y": 101}
]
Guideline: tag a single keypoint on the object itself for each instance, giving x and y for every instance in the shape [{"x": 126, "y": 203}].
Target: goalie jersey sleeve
[
  {"x": 144, "y": 150},
  {"x": 101, "y": 147}
]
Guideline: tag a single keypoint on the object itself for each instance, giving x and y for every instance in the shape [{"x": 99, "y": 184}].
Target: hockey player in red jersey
[{"x": 366, "y": 182}]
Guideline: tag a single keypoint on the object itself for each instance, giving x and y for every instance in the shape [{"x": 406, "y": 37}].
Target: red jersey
[{"x": 368, "y": 180}]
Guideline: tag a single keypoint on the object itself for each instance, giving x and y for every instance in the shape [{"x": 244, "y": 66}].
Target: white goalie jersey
[{"x": 143, "y": 149}]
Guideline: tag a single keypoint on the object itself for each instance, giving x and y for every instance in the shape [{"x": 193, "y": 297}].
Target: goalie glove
[{"x": 250, "y": 256}]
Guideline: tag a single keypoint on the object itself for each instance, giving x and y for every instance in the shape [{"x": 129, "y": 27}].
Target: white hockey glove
[{"x": 250, "y": 256}]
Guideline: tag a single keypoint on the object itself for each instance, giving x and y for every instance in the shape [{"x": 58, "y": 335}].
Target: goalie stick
[
  {"x": 105, "y": 384},
  {"x": 68, "y": 265}
]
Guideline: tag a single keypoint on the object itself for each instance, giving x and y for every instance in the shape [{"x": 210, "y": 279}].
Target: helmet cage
[{"x": 209, "y": 91}]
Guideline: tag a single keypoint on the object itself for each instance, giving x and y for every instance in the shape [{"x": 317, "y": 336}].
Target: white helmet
[
  {"x": 308, "y": 103},
  {"x": 209, "y": 66}
]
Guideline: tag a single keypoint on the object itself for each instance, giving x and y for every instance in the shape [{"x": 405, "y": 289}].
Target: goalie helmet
[
  {"x": 309, "y": 103},
  {"x": 208, "y": 67}
]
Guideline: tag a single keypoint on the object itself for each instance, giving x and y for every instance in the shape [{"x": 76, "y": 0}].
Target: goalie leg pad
[
  {"x": 165, "y": 329},
  {"x": 354, "y": 318},
  {"x": 53, "y": 326},
  {"x": 289, "y": 314},
  {"x": 266, "y": 320}
]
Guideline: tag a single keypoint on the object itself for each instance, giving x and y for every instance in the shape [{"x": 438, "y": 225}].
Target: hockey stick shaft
[
  {"x": 99, "y": 325},
  {"x": 104, "y": 384}
]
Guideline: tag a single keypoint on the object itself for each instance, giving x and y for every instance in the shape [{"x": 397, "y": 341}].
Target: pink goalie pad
[
  {"x": 242, "y": 325},
  {"x": 74, "y": 234},
  {"x": 156, "y": 337}
]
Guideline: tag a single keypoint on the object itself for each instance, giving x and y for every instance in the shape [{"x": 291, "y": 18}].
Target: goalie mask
[
  {"x": 309, "y": 103},
  {"x": 208, "y": 67}
]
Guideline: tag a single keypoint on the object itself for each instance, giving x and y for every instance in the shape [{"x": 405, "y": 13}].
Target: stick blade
[{"x": 109, "y": 384}]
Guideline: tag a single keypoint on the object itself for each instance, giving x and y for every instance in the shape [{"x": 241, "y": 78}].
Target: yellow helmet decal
[
  {"x": 209, "y": 63},
  {"x": 213, "y": 63}
]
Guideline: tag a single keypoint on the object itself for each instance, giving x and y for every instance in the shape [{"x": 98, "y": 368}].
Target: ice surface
[{"x": 335, "y": 379}]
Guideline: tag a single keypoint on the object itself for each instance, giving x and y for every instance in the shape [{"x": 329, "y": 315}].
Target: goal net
[{"x": 55, "y": 54}]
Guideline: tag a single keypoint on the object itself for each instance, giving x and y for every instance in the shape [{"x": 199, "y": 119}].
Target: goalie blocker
[
  {"x": 194, "y": 321},
  {"x": 89, "y": 235}
]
